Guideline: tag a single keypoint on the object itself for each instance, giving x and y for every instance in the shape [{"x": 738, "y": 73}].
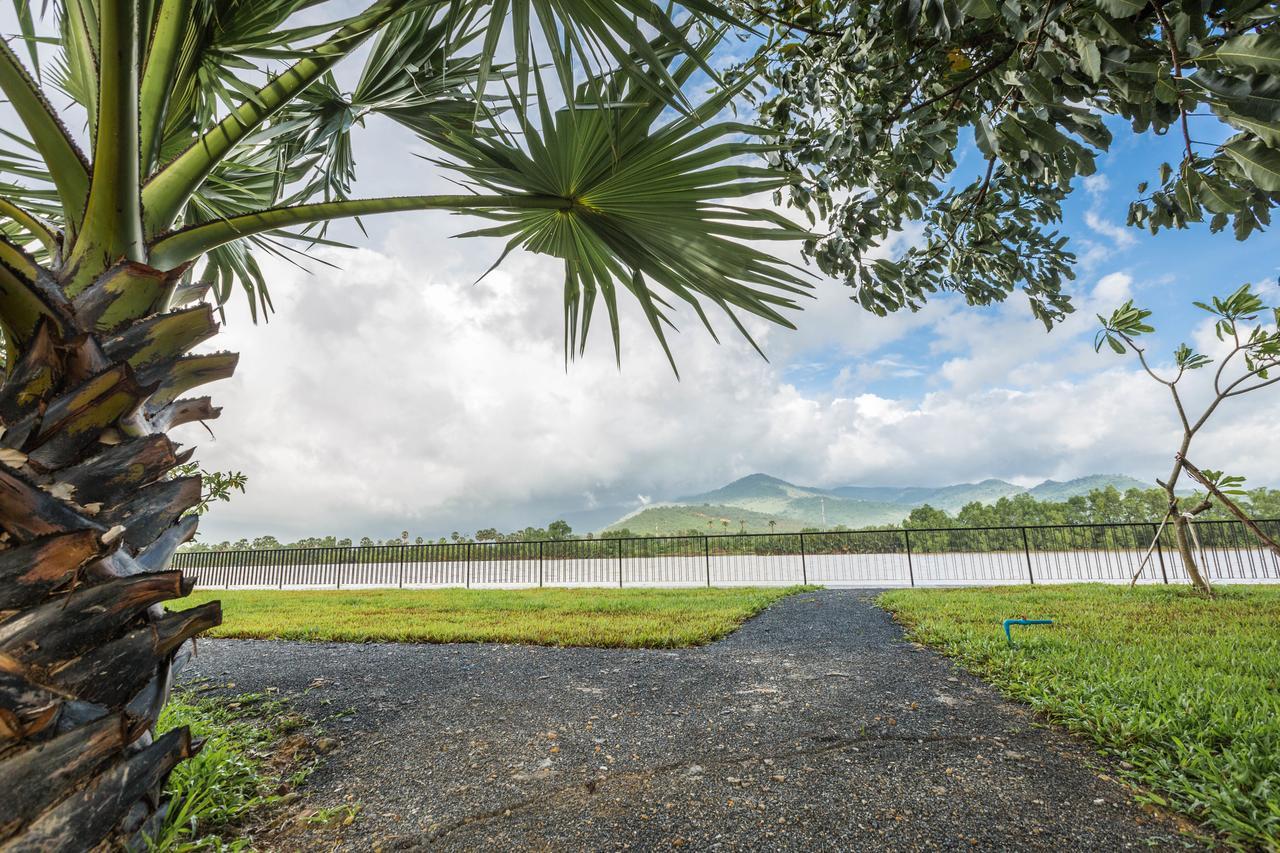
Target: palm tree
[{"x": 122, "y": 214}]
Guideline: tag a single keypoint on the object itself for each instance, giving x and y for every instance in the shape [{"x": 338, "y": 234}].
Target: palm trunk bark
[{"x": 89, "y": 522}]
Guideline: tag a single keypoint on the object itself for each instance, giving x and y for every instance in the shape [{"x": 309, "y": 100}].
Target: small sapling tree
[{"x": 1250, "y": 361}]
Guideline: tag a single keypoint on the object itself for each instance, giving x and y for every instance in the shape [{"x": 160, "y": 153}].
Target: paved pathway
[{"x": 816, "y": 726}]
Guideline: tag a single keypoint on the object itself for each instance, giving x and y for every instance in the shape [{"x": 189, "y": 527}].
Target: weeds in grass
[
  {"x": 628, "y": 618},
  {"x": 233, "y": 777},
  {"x": 340, "y": 815},
  {"x": 1183, "y": 690}
]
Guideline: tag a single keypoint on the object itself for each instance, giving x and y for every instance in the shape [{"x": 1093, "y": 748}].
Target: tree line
[{"x": 1100, "y": 506}]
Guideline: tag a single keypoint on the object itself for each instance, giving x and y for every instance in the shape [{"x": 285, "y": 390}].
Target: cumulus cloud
[
  {"x": 862, "y": 372},
  {"x": 392, "y": 393},
  {"x": 1120, "y": 236},
  {"x": 1096, "y": 185}
]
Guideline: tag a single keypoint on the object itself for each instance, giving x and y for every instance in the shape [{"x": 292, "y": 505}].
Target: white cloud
[
  {"x": 394, "y": 394},
  {"x": 1096, "y": 185},
  {"x": 1119, "y": 235},
  {"x": 1112, "y": 289},
  {"x": 865, "y": 371}
]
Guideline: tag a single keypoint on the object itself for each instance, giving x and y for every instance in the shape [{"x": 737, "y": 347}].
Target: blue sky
[{"x": 1170, "y": 269}]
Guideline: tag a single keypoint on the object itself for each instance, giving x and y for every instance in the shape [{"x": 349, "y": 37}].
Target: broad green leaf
[
  {"x": 1253, "y": 52},
  {"x": 986, "y": 138},
  {"x": 1268, "y": 132},
  {"x": 1090, "y": 57},
  {"x": 1122, "y": 8},
  {"x": 1256, "y": 95},
  {"x": 979, "y": 9},
  {"x": 1260, "y": 163}
]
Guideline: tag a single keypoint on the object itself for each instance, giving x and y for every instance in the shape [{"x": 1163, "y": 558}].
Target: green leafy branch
[{"x": 218, "y": 486}]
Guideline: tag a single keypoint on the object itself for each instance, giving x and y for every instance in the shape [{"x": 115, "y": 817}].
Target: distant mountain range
[{"x": 754, "y": 501}]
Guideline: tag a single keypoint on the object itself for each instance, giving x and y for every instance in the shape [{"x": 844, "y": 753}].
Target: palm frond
[
  {"x": 418, "y": 76},
  {"x": 304, "y": 152},
  {"x": 24, "y": 179},
  {"x": 228, "y": 45},
  {"x": 649, "y": 206},
  {"x": 26, "y": 16},
  {"x": 591, "y": 37}
]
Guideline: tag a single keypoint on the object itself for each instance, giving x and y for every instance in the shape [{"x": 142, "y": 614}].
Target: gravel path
[{"x": 816, "y": 726}]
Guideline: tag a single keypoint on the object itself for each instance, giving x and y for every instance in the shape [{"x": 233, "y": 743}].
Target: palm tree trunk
[{"x": 89, "y": 522}]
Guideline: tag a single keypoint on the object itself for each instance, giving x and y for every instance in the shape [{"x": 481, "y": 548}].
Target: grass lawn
[
  {"x": 627, "y": 618},
  {"x": 1184, "y": 692}
]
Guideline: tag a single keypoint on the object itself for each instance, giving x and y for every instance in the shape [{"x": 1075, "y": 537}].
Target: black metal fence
[{"x": 890, "y": 557}]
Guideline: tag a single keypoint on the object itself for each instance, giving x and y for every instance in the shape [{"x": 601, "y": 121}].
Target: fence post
[
  {"x": 1160, "y": 554},
  {"x": 539, "y": 564},
  {"x": 911, "y": 572},
  {"x": 337, "y": 576},
  {"x": 1026, "y": 549},
  {"x": 706, "y": 550},
  {"x": 619, "y": 541},
  {"x": 804, "y": 568},
  {"x": 468, "y": 578}
]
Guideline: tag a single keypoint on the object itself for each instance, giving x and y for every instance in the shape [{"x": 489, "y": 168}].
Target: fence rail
[{"x": 889, "y": 557}]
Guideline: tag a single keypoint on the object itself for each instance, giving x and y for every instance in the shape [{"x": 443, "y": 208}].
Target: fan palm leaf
[{"x": 647, "y": 208}]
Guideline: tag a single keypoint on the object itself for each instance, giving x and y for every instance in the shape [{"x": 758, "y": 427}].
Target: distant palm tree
[{"x": 772, "y": 525}]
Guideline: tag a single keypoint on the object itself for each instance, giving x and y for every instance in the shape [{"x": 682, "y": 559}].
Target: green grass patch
[
  {"x": 252, "y": 756},
  {"x": 622, "y": 618},
  {"x": 1184, "y": 691}
]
